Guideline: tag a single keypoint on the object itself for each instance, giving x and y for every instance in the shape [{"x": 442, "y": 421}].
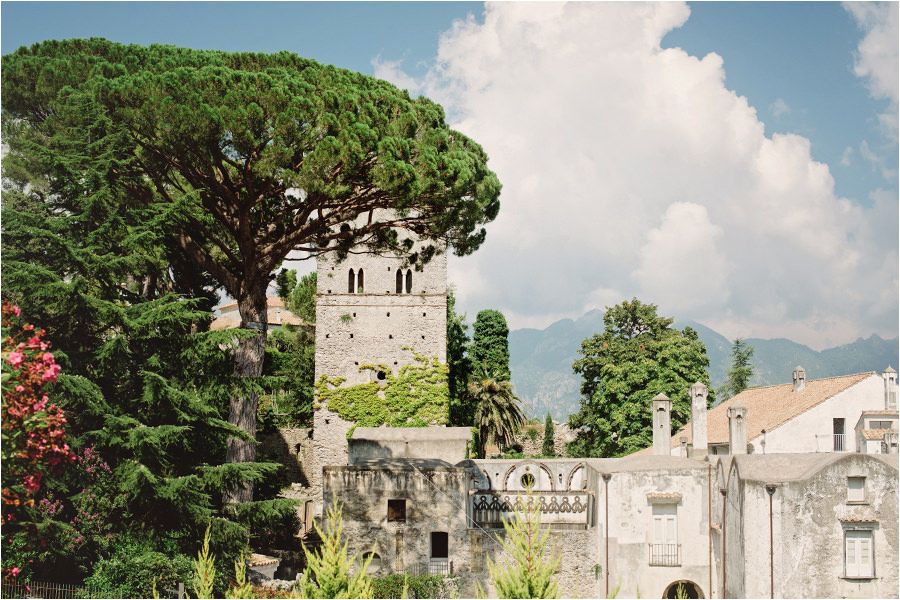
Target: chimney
[
  {"x": 799, "y": 379},
  {"x": 737, "y": 429},
  {"x": 890, "y": 389},
  {"x": 662, "y": 426},
  {"x": 699, "y": 393}
]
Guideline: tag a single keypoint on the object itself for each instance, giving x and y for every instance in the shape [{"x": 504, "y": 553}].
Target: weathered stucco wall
[{"x": 809, "y": 520}]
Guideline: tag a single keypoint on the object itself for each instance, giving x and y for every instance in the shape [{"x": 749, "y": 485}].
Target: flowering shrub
[{"x": 33, "y": 428}]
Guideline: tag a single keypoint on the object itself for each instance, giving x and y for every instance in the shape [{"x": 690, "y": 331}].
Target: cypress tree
[
  {"x": 548, "y": 449},
  {"x": 490, "y": 345}
]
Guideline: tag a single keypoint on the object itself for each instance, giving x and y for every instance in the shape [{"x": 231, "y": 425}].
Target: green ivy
[{"x": 416, "y": 396}]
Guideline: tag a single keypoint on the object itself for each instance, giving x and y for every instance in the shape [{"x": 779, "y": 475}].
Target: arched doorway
[{"x": 683, "y": 589}]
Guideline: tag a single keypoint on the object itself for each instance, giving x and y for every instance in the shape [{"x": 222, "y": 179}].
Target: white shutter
[
  {"x": 858, "y": 554},
  {"x": 665, "y": 524}
]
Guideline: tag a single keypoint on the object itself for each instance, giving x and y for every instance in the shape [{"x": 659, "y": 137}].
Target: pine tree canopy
[
  {"x": 230, "y": 160},
  {"x": 638, "y": 356}
]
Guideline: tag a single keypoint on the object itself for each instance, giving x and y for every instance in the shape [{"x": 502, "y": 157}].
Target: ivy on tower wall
[{"x": 416, "y": 396}]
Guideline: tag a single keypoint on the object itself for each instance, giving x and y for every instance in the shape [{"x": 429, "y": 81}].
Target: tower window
[
  {"x": 381, "y": 375},
  {"x": 439, "y": 544},
  {"x": 399, "y": 281},
  {"x": 351, "y": 282},
  {"x": 360, "y": 282},
  {"x": 390, "y": 336},
  {"x": 409, "y": 281}
]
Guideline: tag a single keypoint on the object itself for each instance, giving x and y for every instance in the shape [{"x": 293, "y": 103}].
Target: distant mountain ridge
[{"x": 541, "y": 360}]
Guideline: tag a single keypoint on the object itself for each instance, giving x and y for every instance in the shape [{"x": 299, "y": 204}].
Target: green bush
[
  {"x": 419, "y": 586},
  {"x": 132, "y": 571}
]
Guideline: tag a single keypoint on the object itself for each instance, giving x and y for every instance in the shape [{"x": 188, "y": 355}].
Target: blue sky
[{"x": 794, "y": 63}]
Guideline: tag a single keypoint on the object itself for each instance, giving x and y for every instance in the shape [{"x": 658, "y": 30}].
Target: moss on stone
[{"x": 416, "y": 396}]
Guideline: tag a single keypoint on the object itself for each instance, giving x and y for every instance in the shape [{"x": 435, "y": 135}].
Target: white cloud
[
  {"x": 847, "y": 156},
  {"x": 779, "y": 108},
  {"x": 390, "y": 70},
  {"x": 633, "y": 169},
  {"x": 877, "y": 54}
]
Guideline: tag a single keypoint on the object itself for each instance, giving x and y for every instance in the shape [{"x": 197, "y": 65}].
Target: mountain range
[{"x": 541, "y": 360}]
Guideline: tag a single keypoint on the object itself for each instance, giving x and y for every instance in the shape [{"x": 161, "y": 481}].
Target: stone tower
[{"x": 371, "y": 310}]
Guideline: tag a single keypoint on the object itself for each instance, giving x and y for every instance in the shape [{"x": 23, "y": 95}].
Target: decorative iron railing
[
  {"x": 491, "y": 508},
  {"x": 664, "y": 555},
  {"x": 831, "y": 442},
  {"x": 434, "y": 566}
]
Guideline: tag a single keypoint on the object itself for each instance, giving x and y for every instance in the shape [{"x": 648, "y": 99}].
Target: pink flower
[
  {"x": 47, "y": 358},
  {"x": 15, "y": 358},
  {"x": 51, "y": 373},
  {"x": 16, "y": 310},
  {"x": 15, "y": 570}
]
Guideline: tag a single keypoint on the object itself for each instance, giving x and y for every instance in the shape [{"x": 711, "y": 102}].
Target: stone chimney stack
[
  {"x": 890, "y": 389},
  {"x": 662, "y": 425},
  {"x": 799, "y": 379},
  {"x": 737, "y": 429},
  {"x": 699, "y": 393}
]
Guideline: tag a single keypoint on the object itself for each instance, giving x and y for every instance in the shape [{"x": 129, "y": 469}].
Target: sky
[{"x": 734, "y": 163}]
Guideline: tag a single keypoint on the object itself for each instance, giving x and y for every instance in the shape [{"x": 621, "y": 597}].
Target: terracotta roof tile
[
  {"x": 875, "y": 434},
  {"x": 770, "y": 406}
]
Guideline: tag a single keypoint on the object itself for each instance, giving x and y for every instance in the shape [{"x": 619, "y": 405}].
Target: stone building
[
  {"x": 374, "y": 315},
  {"x": 652, "y": 525}
]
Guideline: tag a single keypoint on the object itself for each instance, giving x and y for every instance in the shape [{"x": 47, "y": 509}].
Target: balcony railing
[
  {"x": 832, "y": 442},
  {"x": 664, "y": 555},
  {"x": 562, "y": 509}
]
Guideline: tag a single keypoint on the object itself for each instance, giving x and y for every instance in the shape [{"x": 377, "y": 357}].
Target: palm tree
[{"x": 498, "y": 414}]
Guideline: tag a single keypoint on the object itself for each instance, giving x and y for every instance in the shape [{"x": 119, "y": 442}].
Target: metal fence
[
  {"x": 664, "y": 555},
  {"x": 46, "y": 589},
  {"x": 432, "y": 567}
]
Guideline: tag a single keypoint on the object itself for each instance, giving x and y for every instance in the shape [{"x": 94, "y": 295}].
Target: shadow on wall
[{"x": 292, "y": 448}]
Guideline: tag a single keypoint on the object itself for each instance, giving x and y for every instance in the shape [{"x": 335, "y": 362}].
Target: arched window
[
  {"x": 360, "y": 282},
  {"x": 399, "y": 281},
  {"x": 351, "y": 282},
  {"x": 409, "y": 281}
]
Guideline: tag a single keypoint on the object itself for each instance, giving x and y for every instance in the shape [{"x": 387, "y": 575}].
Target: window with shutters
[
  {"x": 664, "y": 548},
  {"x": 859, "y": 556}
]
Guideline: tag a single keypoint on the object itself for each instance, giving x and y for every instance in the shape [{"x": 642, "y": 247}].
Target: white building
[{"x": 816, "y": 415}]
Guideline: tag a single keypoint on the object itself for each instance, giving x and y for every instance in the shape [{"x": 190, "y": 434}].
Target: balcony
[
  {"x": 832, "y": 442},
  {"x": 664, "y": 555},
  {"x": 558, "y": 509}
]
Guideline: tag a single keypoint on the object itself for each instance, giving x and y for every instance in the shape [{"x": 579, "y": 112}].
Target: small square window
[
  {"x": 856, "y": 489},
  {"x": 396, "y": 511}
]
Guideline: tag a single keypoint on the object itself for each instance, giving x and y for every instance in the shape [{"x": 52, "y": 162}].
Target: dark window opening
[
  {"x": 351, "y": 282},
  {"x": 396, "y": 511},
  {"x": 360, "y": 283},
  {"x": 399, "y": 281},
  {"x": 527, "y": 480},
  {"x": 381, "y": 375},
  {"x": 351, "y": 336},
  {"x": 390, "y": 336},
  {"x": 424, "y": 315},
  {"x": 839, "y": 442},
  {"x": 440, "y": 544},
  {"x": 409, "y": 281}
]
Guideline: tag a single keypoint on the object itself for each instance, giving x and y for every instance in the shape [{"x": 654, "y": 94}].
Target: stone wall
[{"x": 293, "y": 448}]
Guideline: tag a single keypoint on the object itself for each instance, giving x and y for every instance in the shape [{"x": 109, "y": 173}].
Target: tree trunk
[{"x": 248, "y": 362}]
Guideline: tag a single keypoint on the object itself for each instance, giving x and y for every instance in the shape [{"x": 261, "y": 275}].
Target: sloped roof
[
  {"x": 770, "y": 406},
  {"x": 796, "y": 467}
]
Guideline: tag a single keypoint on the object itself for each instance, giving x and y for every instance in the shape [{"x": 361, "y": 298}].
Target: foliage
[
  {"x": 204, "y": 570},
  {"x": 638, "y": 356},
  {"x": 459, "y": 365},
  {"x": 531, "y": 570},
  {"x": 498, "y": 415},
  {"x": 490, "y": 345},
  {"x": 135, "y": 568},
  {"x": 741, "y": 369},
  {"x": 416, "y": 396},
  {"x": 415, "y": 586},
  {"x": 286, "y": 281},
  {"x": 33, "y": 428},
  {"x": 33, "y": 447},
  {"x": 218, "y": 144},
  {"x": 242, "y": 587},
  {"x": 548, "y": 449},
  {"x": 328, "y": 569},
  {"x": 144, "y": 383},
  {"x": 302, "y": 298}
]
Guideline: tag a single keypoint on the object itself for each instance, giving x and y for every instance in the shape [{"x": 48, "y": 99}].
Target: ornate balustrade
[{"x": 490, "y": 508}]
